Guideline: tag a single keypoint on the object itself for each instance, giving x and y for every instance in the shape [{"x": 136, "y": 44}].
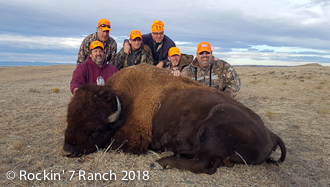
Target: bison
[{"x": 203, "y": 127}]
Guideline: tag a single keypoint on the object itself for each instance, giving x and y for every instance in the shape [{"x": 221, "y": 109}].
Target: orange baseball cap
[
  {"x": 173, "y": 51},
  {"x": 96, "y": 44},
  {"x": 104, "y": 25},
  {"x": 157, "y": 26},
  {"x": 134, "y": 34},
  {"x": 204, "y": 46}
]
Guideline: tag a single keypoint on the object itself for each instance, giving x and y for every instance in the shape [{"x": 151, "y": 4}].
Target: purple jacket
[{"x": 89, "y": 72}]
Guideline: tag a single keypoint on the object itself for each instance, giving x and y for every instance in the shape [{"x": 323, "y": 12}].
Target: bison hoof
[
  {"x": 155, "y": 165},
  {"x": 271, "y": 160}
]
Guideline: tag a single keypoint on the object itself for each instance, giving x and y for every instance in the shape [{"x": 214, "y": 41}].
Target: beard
[
  {"x": 175, "y": 63},
  {"x": 99, "y": 61}
]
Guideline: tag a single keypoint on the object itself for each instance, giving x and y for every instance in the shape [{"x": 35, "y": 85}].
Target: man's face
[
  {"x": 175, "y": 59},
  {"x": 97, "y": 55},
  {"x": 158, "y": 36},
  {"x": 136, "y": 43},
  {"x": 204, "y": 59},
  {"x": 103, "y": 35}
]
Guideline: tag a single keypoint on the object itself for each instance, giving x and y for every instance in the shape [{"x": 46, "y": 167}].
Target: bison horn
[{"x": 113, "y": 117}]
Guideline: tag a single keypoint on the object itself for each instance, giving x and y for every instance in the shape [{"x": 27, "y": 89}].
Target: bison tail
[
  {"x": 283, "y": 149},
  {"x": 280, "y": 143}
]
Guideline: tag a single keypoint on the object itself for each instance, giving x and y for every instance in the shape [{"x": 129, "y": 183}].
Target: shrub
[
  {"x": 56, "y": 90},
  {"x": 271, "y": 115}
]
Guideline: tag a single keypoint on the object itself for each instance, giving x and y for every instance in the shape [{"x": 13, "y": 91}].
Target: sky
[{"x": 241, "y": 32}]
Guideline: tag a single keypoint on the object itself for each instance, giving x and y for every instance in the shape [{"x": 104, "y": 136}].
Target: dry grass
[{"x": 32, "y": 123}]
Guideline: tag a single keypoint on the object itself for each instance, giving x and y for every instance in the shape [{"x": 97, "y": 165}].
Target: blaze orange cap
[
  {"x": 104, "y": 25},
  {"x": 204, "y": 46},
  {"x": 96, "y": 44},
  {"x": 134, "y": 34},
  {"x": 157, "y": 26},
  {"x": 173, "y": 51}
]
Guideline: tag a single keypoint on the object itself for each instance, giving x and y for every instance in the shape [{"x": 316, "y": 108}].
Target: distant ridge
[
  {"x": 312, "y": 64},
  {"x": 259, "y": 66},
  {"x": 14, "y": 63}
]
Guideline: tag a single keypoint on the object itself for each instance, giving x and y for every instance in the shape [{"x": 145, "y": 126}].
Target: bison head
[{"x": 94, "y": 115}]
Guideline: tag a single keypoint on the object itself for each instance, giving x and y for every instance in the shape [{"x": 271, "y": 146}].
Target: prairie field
[{"x": 293, "y": 102}]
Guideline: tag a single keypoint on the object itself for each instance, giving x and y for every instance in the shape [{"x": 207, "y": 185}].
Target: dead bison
[{"x": 203, "y": 127}]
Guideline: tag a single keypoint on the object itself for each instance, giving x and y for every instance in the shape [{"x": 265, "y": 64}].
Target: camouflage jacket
[
  {"x": 110, "y": 49},
  {"x": 223, "y": 76},
  {"x": 143, "y": 55},
  {"x": 184, "y": 61}
]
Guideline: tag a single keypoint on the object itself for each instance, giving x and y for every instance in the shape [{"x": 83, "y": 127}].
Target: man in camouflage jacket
[
  {"x": 176, "y": 61},
  {"x": 140, "y": 53},
  {"x": 211, "y": 72},
  {"x": 102, "y": 35}
]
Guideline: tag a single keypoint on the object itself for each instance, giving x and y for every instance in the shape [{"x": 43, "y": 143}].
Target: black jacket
[{"x": 161, "y": 54}]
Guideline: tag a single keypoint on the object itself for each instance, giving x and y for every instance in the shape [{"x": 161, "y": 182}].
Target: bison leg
[{"x": 195, "y": 166}]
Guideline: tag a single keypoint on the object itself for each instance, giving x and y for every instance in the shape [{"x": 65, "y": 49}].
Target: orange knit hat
[{"x": 157, "y": 26}]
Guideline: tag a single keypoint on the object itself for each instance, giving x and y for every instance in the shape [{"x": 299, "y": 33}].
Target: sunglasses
[
  {"x": 158, "y": 34},
  {"x": 104, "y": 25},
  {"x": 204, "y": 52}
]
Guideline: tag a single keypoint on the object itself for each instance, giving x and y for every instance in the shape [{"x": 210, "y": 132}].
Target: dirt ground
[{"x": 292, "y": 101}]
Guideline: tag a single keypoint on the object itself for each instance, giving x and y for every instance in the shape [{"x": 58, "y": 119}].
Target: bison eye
[{"x": 95, "y": 134}]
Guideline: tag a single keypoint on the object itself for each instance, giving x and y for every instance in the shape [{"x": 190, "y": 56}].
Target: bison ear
[{"x": 113, "y": 117}]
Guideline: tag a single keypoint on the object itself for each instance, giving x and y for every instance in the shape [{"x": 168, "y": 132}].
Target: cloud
[{"x": 235, "y": 29}]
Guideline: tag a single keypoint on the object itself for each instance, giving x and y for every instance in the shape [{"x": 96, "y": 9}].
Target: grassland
[{"x": 292, "y": 101}]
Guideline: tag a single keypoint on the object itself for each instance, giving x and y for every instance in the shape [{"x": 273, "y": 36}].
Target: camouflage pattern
[
  {"x": 110, "y": 49},
  {"x": 184, "y": 61},
  {"x": 143, "y": 56},
  {"x": 223, "y": 76}
]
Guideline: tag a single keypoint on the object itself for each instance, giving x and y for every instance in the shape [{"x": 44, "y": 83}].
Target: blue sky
[{"x": 254, "y": 32}]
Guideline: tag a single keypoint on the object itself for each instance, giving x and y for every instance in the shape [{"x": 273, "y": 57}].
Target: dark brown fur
[{"x": 206, "y": 130}]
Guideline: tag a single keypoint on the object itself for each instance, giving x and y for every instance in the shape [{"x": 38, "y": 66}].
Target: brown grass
[{"x": 32, "y": 123}]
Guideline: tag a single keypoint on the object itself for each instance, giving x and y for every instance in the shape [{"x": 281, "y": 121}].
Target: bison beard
[{"x": 203, "y": 127}]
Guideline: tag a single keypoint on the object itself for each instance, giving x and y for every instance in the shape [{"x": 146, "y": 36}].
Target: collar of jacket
[{"x": 137, "y": 51}]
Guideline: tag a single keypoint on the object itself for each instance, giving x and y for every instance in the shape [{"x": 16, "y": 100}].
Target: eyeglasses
[
  {"x": 204, "y": 52},
  {"x": 104, "y": 25},
  {"x": 158, "y": 34}
]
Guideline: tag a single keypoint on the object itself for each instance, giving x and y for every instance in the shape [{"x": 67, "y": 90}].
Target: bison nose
[{"x": 66, "y": 151}]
